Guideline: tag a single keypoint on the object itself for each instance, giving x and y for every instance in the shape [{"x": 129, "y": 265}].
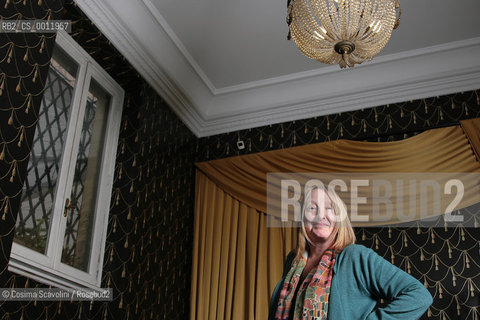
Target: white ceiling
[
  {"x": 225, "y": 65},
  {"x": 235, "y": 42}
]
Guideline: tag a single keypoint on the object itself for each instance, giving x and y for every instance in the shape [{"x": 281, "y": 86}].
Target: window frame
[{"x": 48, "y": 268}]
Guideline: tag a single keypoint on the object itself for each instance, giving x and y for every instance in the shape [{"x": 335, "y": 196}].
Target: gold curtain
[
  {"x": 237, "y": 260},
  {"x": 444, "y": 150},
  {"x": 471, "y": 128}
]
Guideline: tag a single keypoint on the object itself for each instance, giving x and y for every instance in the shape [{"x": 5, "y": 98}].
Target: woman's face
[{"x": 319, "y": 219}]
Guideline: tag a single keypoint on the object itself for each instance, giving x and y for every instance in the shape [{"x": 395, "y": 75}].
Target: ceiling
[{"x": 225, "y": 65}]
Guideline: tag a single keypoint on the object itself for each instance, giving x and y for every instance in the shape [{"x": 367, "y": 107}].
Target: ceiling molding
[
  {"x": 163, "y": 23},
  {"x": 173, "y": 73},
  {"x": 325, "y": 70},
  {"x": 119, "y": 34},
  {"x": 468, "y": 79}
]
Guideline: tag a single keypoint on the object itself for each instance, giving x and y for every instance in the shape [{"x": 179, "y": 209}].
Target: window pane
[
  {"x": 38, "y": 196},
  {"x": 81, "y": 216}
]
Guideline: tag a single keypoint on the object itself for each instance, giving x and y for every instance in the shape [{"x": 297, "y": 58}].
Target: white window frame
[{"x": 48, "y": 268}]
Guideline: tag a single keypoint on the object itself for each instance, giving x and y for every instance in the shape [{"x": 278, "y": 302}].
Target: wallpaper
[
  {"x": 383, "y": 123},
  {"x": 24, "y": 61}
]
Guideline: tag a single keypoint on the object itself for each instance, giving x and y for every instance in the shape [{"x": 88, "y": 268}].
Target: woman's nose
[{"x": 319, "y": 214}]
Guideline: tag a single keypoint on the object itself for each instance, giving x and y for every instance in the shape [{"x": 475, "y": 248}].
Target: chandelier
[{"x": 346, "y": 32}]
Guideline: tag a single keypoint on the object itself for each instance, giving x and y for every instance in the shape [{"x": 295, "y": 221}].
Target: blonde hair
[{"x": 343, "y": 232}]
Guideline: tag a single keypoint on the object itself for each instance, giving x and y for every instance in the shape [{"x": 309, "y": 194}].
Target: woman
[{"x": 329, "y": 277}]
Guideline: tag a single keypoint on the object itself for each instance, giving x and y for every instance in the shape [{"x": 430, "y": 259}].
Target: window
[{"x": 62, "y": 223}]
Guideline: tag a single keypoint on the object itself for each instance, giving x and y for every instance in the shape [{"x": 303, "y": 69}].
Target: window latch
[{"x": 68, "y": 206}]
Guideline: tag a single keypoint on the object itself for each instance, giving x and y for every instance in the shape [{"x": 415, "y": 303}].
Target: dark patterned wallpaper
[
  {"x": 24, "y": 63},
  {"x": 383, "y": 123},
  {"x": 149, "y": 241}
]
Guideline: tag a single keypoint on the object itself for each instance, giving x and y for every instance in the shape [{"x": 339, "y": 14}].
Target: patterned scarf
[{"x": 312, "y": 296}]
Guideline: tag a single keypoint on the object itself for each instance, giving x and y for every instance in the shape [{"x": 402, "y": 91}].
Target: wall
[{"x": 24, "y": 61}]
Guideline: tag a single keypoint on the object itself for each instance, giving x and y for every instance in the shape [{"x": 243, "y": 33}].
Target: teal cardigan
[{"x": 360, "y": 278}]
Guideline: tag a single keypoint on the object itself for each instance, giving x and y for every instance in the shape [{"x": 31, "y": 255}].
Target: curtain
[
  {"x": 444, "y": 150},
  {"x": 471, "y": 128},
  {"x": 237, "y": 260}
]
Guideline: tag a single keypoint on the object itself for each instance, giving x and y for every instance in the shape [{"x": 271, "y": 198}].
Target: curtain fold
[
  {"x": 471, "y": 128},
  {"x": 237, "y": 260},
  {"x": 444, "y": 150}
]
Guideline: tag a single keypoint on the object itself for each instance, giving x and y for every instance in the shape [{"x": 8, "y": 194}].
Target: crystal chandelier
[{"x": 346, "y": 32}]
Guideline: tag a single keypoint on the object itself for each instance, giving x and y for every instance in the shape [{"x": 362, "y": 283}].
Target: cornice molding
[
  {"x": 166, "y": 27},
  {"x": 115, "y": 29},
  {"x": 465, "y": 80},
  {"x": 176, "y": 76},
  {"x": 465, "y": 44}
]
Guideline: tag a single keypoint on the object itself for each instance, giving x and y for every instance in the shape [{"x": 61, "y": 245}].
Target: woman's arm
[{"x": 409, "y": 299}]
